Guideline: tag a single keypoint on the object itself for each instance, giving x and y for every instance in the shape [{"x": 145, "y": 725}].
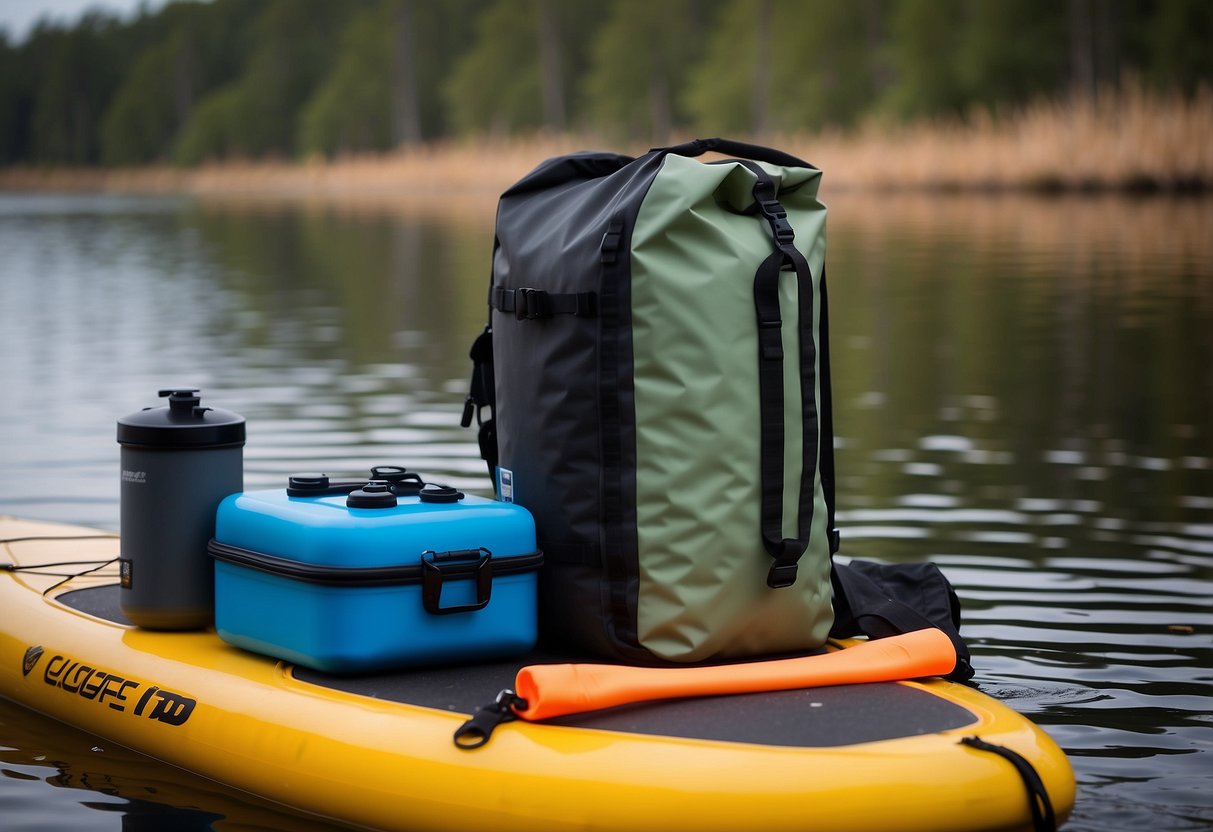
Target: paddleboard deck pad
[{"x": 376, "y": 750}]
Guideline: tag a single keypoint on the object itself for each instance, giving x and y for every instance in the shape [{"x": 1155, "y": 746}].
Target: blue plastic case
[{"x": 322, "y": 582}]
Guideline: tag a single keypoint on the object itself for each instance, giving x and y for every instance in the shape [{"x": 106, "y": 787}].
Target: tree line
[{"x": 196, "y": 81}]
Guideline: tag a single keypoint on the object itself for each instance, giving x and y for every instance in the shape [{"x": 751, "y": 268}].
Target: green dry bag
[{"x": 656, "y": 376}]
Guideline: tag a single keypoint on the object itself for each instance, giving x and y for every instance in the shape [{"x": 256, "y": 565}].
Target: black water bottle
[{"x": 178, "y": 462}]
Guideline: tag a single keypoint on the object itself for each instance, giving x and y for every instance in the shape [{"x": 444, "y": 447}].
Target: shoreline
[
  {"x": 1130, "y": 142},
  {"x": 345, "y": 180},
  {"x": 485, "y": 169},
  {"x": 461, "y": 184}
]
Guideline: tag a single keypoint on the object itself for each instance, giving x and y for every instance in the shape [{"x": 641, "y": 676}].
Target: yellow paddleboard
[{"x": 378, "y": 751}]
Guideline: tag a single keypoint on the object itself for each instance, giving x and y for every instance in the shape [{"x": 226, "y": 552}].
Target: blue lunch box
[{"x": 349, "y": 577}]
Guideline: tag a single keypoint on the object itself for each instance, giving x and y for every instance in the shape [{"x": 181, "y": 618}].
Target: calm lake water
[{"x": 1023, "y": 394}]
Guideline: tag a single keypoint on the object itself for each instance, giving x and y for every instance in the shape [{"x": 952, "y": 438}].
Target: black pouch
[{"x": 878, "y": 600}]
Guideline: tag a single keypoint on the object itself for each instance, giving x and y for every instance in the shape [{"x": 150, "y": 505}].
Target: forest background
[{"x": 1041, "y": 94}]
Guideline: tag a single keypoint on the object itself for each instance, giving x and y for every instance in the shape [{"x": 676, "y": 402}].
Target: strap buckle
[
  {"x": 782, "y": 575},
  {"x": 786, "y": 553},
  {"x": 775, "y": 214},
  {"x": 530, "y": 304}
]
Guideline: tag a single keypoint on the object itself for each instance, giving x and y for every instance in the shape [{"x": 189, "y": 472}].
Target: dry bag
[{"x": 655, "y": 372}]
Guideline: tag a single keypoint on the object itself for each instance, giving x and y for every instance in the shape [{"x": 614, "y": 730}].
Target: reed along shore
[{"x": 1129, "y": 141}]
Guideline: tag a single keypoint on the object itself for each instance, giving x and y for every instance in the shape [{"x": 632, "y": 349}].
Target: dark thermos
[{"x": 178, "y": 462}]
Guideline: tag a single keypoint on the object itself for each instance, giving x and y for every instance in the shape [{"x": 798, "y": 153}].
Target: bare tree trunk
[
  {"x": 184, "y": 80},
  {"x": 762, "y": 74},
  {"x": 406, "y": 115},
  {"x": 660, "y": 117},
  {"x": 551, "y": 66},
  {"x": 1107, "y": 57},
  {"x": 882, "y": 74},
  {"x": 1082, "y": 51},
  {"x": 77, "y": 134}
]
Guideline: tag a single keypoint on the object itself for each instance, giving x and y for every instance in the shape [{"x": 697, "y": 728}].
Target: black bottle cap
[
  {"x": 307, "y": 485},
  {"x": 183, "y": 424},
  {"x": 375, "y": 494},
  {"x": 434, "y": 493}
]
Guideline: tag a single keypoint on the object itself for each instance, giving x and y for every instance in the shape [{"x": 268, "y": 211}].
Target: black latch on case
[{"x": 438, "y": 567}]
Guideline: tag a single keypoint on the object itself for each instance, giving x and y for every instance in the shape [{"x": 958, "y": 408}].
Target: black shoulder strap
[
  {"x": 826, "y": 409},
  {"x": 482, "y": 394}
]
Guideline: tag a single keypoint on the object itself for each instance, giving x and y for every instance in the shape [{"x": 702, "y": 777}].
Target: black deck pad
[
  {"x": 812, "y": 718},
  {"x": 98, "y": 601}
]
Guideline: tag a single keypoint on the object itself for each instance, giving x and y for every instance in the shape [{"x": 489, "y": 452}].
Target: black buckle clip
[
  {"x": 440, "y": 566},
  {"x": 781, "y": 575},
  {"x": 783, "y": 571},
  {"x": 778, "y": 218},
  {"x": 784, "y": 233},
  {"x": 529, "y": 304}
]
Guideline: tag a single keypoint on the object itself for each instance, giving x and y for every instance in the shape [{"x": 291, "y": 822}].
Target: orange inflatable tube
[{"x": 562, "y": 689}]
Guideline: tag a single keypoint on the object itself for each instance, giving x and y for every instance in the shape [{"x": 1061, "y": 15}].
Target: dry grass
[
  {"x": 445, "y": 178},
  {"x": 1126, "y": 140}
]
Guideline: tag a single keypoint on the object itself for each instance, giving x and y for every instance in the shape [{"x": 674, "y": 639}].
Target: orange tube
[{"x": 561, "y": 689}]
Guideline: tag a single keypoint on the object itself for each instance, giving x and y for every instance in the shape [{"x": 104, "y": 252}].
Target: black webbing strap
[
  {"x": 785, "y": 551},
  {"x": 531, "y": 304},
  {"x": 827, "y": 415},
  {"x": 482, "y": 393},
  {"x": 1043, "y": 819}
]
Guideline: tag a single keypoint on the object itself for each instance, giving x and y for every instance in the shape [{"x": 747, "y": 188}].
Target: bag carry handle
[
  {"x": 786, "y": 552},
  {"x": 729, "y": 147},
  {"x": 436, "y": 568}
]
